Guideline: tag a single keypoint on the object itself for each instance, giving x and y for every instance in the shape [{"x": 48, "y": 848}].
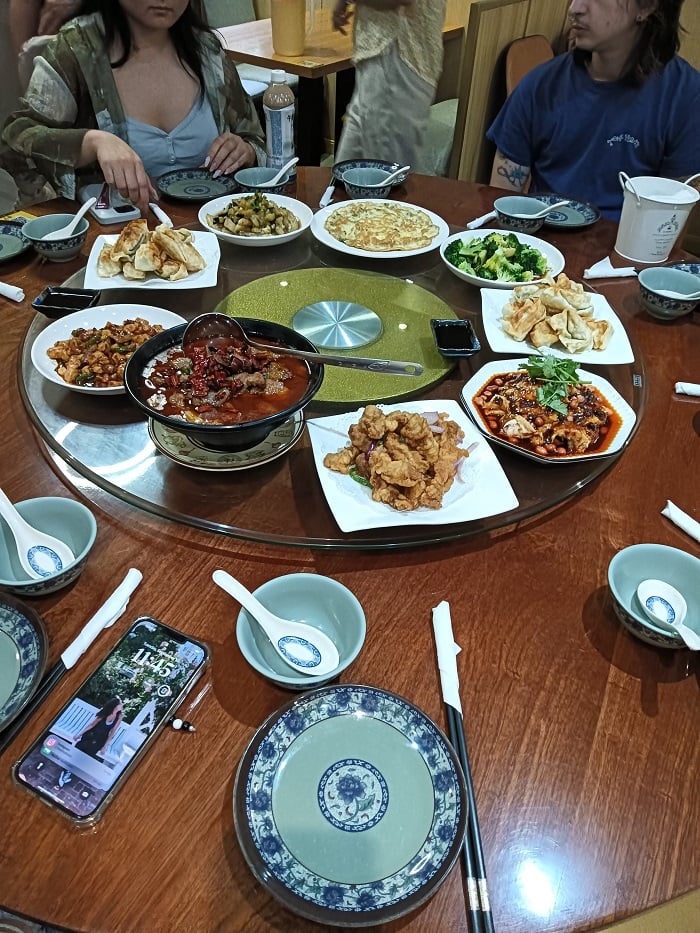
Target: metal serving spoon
[
  {"x": 39, "y": 554},
  {"x": 214, "y": 324},
  {"x": 388, "y": 180},
  {"x": 282, "y": 172},
  {"x": 667, "y": 608},
  {"x": 303, "y": 647},
  {"x": 69, "y": 229}
]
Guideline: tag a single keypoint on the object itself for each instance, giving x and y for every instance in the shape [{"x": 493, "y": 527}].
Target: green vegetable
[
  {"x": 556, "y": 375},
  {"x": 358, "y": 477},
  {"x": 497, "y": 257}
]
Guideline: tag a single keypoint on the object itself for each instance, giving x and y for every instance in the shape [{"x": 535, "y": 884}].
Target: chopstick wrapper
[
  {"x": 327, "y": 195},
  {"x": 604, "y": 269},
  {"x": 688, "y": 388},
  {"x": 161, "y": 215},
  {"x": 105, "y": 616},
  {"x": 11, "y": 291},
  {"x": 447, "y": 652},
  {"x": 682, "y": 519},
  {"x": 478, "y": 221}
]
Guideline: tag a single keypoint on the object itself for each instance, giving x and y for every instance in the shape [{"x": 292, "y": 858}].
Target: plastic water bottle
[{"x": 278, "y": 106}]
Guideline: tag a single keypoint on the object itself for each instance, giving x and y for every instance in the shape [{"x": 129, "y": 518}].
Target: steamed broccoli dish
[{"x": 498, "y": 257}]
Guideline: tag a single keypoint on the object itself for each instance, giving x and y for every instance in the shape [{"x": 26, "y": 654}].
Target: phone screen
[{"x": 104, "y": 728}]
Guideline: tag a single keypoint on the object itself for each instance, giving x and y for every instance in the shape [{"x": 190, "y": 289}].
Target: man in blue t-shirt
[{"x": 620, "y": 100}]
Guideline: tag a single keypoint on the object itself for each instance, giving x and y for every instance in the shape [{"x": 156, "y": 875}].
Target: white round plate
[
  {"x": 93, "y": 317},
  {"x": 555, "y": 260},
  {"x": 298, "y": 208},
  {"x": 627, "y": 414},
  {"x": 323, "y": 236}
]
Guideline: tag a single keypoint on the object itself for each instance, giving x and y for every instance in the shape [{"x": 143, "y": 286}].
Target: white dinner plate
[
  {"x": 205, "y": 243},
  {"x": 627, "y": 414},
  {"x": 481, "y": 489},
  {"x": 92, "y": 317},
  {"x": 618, "y": 350},
  {"x": 555, "y": 260},
  {"x": 323, "y": 236},
  {"x": 300, "y": 210}
]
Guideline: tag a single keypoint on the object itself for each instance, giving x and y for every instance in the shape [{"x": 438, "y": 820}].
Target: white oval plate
[
  {"x": 298, "y": 208},
  {"x": 92, "y": 317},
  {"x": 555, "y": 260},
  {"x": 323, "y": 236},
  {"x": 205, "y": 243},
  {"x": 482, "y": 489},
  {"x": 618, "y": 350},
  {"x": 627, "y": 414}
]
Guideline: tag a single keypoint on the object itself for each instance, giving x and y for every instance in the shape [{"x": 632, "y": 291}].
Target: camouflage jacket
[{"x": 72, "y": 90}]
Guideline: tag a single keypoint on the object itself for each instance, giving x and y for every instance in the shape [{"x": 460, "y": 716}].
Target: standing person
[
  {"x": 397, "y": 53},
  {"x": 99, "y": 732},
  {"x": 125, "y": 92},
  {"x": 620, "y": 99}
]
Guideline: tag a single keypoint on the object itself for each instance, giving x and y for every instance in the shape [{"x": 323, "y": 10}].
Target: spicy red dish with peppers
[{"x": 223, "y": 381}]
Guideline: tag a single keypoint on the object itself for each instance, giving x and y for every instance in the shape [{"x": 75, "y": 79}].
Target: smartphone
[
  {"x": 79, "y": 763},
  {"x": 111, "y": 207}
]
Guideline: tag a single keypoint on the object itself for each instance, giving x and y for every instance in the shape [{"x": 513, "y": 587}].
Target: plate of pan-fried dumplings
[
  {"x": 555, "y": 316},
  {"x": 161, "y": 258}
]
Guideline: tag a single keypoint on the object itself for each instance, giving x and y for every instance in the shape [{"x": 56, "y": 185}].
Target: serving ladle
[
  {"x": 543, "y": 213},
  {"x": 667, "y": 608},
  {"x": 69, "y": 228},
  {"x": 216, "y": 325},
  {"x": 280, "y": 175},
  {"x": 303, "y": 647},
  {"x": 39, "y": 554}
]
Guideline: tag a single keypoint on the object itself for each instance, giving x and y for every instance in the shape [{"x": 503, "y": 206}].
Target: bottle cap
[{"x": 277, "y": 76}]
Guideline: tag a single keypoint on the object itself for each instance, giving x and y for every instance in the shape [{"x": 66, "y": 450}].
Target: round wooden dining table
[{"x": 582, "y": 739}]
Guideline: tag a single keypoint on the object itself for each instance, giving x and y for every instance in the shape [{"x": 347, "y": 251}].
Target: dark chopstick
[
  {"x": 47, "y": 683},
  {"x": 482, "y": 918}
]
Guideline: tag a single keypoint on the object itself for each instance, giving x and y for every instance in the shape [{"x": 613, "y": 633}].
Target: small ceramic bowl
[
  {"x": 640, "y": 562},
  {"x": 676, "y": 280},
  {"x": 319, "y": 601},
  {"x": 66, "y": 519},
  {"x": 250, "y": 179},
  {"x": 356, "y": 181},
  {"x": 518, "y": 204},
  {"x": 55, "y": 250}
]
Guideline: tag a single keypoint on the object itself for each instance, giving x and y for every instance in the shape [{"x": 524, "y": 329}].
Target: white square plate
[
  {"x": 618, "y": 350},
  {"x": 483, "y": 488},
  {"x": 206, "y": 243}
]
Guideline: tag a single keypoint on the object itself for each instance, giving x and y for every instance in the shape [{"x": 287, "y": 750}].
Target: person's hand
[
  {"x": 121, "y": 166},
  {"x": 341, "y": 16},
  {"x": 227, "y": 153}
]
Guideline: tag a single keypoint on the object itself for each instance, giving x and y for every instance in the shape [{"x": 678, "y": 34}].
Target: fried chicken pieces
[
  {"x": 408, "y": 459},
  {"x": 169, "y": 254}
]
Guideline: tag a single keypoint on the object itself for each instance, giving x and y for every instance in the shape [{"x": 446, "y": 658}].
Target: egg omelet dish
[{"x": 381, "y": 227}]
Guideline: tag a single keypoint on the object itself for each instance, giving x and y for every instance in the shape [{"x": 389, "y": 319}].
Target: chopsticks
[
  {"x": 105, "y": 616},
  {"x": 472, "y": 850}
]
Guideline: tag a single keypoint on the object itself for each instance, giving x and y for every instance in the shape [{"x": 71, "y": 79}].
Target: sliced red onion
[{"x": 432, "y": 417}]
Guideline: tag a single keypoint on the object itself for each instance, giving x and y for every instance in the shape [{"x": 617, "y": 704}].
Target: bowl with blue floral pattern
[
  {"x": 23, "y": 652},
  {"x": 350, "y": 806}
]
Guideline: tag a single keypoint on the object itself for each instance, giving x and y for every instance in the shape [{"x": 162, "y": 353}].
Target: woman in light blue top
[{"x": 128, "y": 89}]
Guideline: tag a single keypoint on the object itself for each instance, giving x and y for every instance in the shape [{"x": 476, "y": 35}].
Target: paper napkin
[
  {"x": 688, "y": 388},
  {"x": 11, "y": 291},
  {"x": 604, "y": 269},
  {"x": 684, "y": 521}
]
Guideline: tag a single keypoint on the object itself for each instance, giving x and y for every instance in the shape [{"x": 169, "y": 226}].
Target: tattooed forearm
[{"x": 507, "y": 174}]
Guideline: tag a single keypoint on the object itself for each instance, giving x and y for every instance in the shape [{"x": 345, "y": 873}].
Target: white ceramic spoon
[
  {"x": 300, "y": 645},
  {"x": 388, "y": 180},
  {"x": 543, "y": 213},
  {"x": 684, "y": 296},
  {"x": 39, "y": 554},
  {"x": 282, "y": 172},
  {"x": 69, "y": 228},
  {"x": 666, "y": 607}
]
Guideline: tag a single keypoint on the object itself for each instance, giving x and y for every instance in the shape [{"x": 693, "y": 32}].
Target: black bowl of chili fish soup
[{"x": 226, "y": 395}]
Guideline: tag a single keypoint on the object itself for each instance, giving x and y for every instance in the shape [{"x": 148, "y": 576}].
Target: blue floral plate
[
  {"x": 12, "y": 241},
  {"x": 195, "y": 185},
  {"x": 341, "y": 167},
  {"x": 23, "y": 652},
  {"x": 350, "y": 806},
  {"x": 693, "y": 267},
  {"x": 576, "y": 214}
]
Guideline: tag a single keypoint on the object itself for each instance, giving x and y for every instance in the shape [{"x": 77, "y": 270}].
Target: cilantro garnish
[{"x": 556, "y": 375}]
